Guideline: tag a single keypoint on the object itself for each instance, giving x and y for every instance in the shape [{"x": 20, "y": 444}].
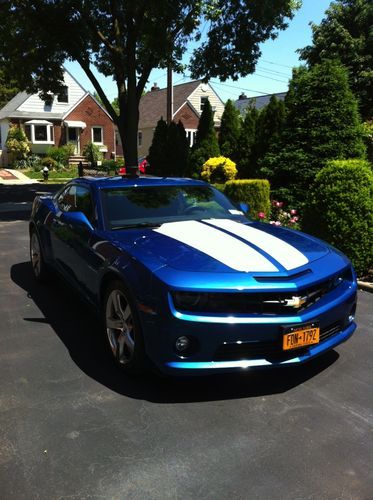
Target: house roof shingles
[
  {"x": 153, "y": 105},
  {"x": 11, "y": 106},
  {"x": 258, "y": 102}
]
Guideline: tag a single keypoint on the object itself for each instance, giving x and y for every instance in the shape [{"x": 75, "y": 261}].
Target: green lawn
[{"x": 62, "y": 175}]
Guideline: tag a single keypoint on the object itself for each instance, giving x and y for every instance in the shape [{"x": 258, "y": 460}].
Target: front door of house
[{"x": 73, "y": 137}]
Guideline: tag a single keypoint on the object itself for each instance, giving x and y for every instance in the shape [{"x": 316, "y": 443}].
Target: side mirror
[
  {"x": 244, "y": 207},
  {"x": 77, "y": 219}
]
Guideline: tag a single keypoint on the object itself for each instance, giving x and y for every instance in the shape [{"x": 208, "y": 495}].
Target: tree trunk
[{"x": 128, "y": 128}]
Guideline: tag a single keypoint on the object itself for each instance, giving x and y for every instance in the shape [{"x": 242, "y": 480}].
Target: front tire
[
  {"x": 39, "y": 267},
  {"x": 123, "y": 330}
]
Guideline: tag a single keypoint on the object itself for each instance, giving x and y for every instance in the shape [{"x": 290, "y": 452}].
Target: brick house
[
  {"x": 73, "y": 116},
  {"x": 188, "y": 102}
]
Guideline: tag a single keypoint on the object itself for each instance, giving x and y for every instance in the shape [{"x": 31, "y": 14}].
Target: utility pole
[{"x": 170, "y": 95}]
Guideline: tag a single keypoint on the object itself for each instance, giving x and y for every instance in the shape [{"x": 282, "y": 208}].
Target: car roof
[{"x": 123, "y": 181}]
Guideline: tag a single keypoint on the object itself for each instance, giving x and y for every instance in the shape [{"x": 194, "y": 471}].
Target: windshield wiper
[{"x": 137, "y": 225}]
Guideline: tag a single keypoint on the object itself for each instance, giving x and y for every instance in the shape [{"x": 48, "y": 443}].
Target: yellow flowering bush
[{"x": 218, "y": 169}]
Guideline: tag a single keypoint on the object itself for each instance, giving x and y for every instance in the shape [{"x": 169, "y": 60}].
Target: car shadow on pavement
[{"x": 77, "y": 327}]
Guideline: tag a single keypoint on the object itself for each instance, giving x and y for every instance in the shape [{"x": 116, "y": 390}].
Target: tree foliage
[
  {"x": 322, "y": 123},
  {"x": 346, "y": 34},
  {"x": 230, "y": 126},
  {"x": 206, "y": 144},
  {"x": 246, "y": 161},
  {"x": 269, "y": 127},
  {"x": 8, "y": 89},
  {"x": 158, "y": 149},
  {"x": 126, "y": 40},
  {"x": 340, "y": 210},
  {"x": 169, "y": 153}
]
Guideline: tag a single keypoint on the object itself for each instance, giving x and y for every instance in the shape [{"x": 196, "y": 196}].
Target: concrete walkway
[{"x": 14, "y": 177}]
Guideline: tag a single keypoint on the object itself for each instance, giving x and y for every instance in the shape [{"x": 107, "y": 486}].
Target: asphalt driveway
[{"x": 73, "y": 427}]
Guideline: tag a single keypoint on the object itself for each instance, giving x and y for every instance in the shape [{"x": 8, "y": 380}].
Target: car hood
[{"x": 222, "y": 246}]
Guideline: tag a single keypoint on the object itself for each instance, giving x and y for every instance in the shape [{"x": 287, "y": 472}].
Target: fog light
[
  {"x": 182, "y": 343},
  {"x": 351, "y": 318}
]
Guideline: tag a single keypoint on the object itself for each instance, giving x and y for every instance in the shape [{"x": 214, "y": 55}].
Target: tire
[
  {"x": 39, "y": 267},
  {"x": 122, "y": 329}
]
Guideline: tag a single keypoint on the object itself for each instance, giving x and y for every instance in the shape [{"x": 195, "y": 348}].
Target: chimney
[
  {"x": 155, "y": 87},
  {"x": 241, "y": 97}
]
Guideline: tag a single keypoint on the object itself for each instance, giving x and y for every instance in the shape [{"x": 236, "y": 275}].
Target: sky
[{"x": 273, "y": 70}]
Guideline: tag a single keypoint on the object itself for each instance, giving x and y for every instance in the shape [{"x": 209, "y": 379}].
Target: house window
[
  {"x": 97, "y": 135},
  {"x": 38, "y": 133},
  {"x": 139, "y": 138},
  {"x": 203, "y": 102},
  {"x": 191, "y": 136},
  {"x": 63, "y": 96}
]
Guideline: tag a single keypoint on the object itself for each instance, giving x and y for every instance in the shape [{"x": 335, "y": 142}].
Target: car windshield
[{"x": 154, "y": 205}]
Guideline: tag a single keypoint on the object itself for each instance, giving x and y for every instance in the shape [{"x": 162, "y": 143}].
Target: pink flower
[
  {"x": 292, "y": 221},
  {"x": 295, "y": 219},
  {"x": 293, "y": 212},
  {"x": 277, "y": 223},
  {"x": 274, "y": 203},
  {"x": 261, "y": 215},
  {"x": 279, "y": 204}
]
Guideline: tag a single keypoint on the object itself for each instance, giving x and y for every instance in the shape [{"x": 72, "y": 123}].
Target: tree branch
[{"x": 109, "y": 108}]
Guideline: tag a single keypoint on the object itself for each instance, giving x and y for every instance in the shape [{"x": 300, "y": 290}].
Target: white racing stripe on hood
[
  {"x": 220, "y": 246},
  {"x": 285, "y": 254}
]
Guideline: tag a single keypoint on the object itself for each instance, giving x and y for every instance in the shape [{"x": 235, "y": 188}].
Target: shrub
[
  {"x": 110, "y": 165},
  {"x": 254, "y": 192},
  {"x": 49, "y": 162},
  {"x": 340, "y": 210},
  {"x": 280, "y": 217},
  {"x": 92, "y": 153},
  {"x": 218, "y": 169},
  {"x": 61, "y": 154},
  {"x": 17, "y": 143},
  {"x": 30, "y": 162}
]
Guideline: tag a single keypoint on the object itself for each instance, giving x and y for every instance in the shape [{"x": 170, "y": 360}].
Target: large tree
[
  {"x": 127, "y": 39},
  {"x": 8, "y": 89},
  {"x": 346, "y": 34},
  {"x": 322, "y": 123},
  {"x": 206, "y": 144},
  {"x": 230, "y": 127}
]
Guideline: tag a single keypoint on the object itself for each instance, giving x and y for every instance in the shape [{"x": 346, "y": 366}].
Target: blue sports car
[{"x": 185, "y": 282}]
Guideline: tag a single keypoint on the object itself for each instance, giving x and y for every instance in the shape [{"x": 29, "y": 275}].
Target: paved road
[{"x": 73, "y": 427}]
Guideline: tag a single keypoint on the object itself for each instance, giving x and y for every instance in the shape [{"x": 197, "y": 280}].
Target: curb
[{"x": 363, "y": 285}]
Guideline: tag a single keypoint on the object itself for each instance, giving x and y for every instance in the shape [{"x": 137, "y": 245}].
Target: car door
[{"x": 72, "y": 239}]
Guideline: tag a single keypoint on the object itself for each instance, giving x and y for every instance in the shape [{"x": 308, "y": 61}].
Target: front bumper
[{"x": 211, "y": 332}]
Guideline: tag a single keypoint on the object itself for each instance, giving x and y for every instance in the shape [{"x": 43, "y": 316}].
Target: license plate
[{"x": 300, "y": 336}]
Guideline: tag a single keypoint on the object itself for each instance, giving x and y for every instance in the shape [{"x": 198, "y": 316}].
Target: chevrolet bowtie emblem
[{"x": 296, "y": 302}]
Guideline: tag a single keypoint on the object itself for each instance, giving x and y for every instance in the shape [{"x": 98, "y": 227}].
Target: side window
[
  {"x": 66, "y": 200},
  {"x": 84, "y": 202}
]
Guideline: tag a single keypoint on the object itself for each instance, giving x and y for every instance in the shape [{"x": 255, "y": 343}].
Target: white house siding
[
  {"x": 35, "y": 105},
  {"x": 204, "y": 90}
]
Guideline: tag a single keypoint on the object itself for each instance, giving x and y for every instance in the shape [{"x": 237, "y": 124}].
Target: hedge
[
  {"x": 254, "y": 192},
  {"x": 340, "y": 210}
]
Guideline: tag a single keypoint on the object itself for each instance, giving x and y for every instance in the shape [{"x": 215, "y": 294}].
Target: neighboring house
[
  {"x": 258, "y": 102},
  {"x": 188, "y": 102},
  {"x": 73, "y": 116}
]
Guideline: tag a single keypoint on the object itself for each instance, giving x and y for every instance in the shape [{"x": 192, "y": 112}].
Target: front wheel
[
  {"x": 123, "y": 330},
  {"x": 39, "y": 267}
]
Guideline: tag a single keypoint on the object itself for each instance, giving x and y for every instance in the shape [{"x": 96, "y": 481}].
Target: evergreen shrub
[
  {"x": 254, "y": 192},
  {"x": 218, "y": 169},
  {"x": 340, "y": 210}
]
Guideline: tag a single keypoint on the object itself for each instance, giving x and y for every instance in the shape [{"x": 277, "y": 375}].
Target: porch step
[{"x": 74, "y": 160}]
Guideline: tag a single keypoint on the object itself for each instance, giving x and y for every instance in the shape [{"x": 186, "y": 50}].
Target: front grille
[
  {"x": 264, "y": 303},
  {"x": 267, "y": 350}
]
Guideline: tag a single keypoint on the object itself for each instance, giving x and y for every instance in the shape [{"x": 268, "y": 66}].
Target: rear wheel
[
  {"x": 122, "y": 328},
  {"x": 39, "y": 267}
]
